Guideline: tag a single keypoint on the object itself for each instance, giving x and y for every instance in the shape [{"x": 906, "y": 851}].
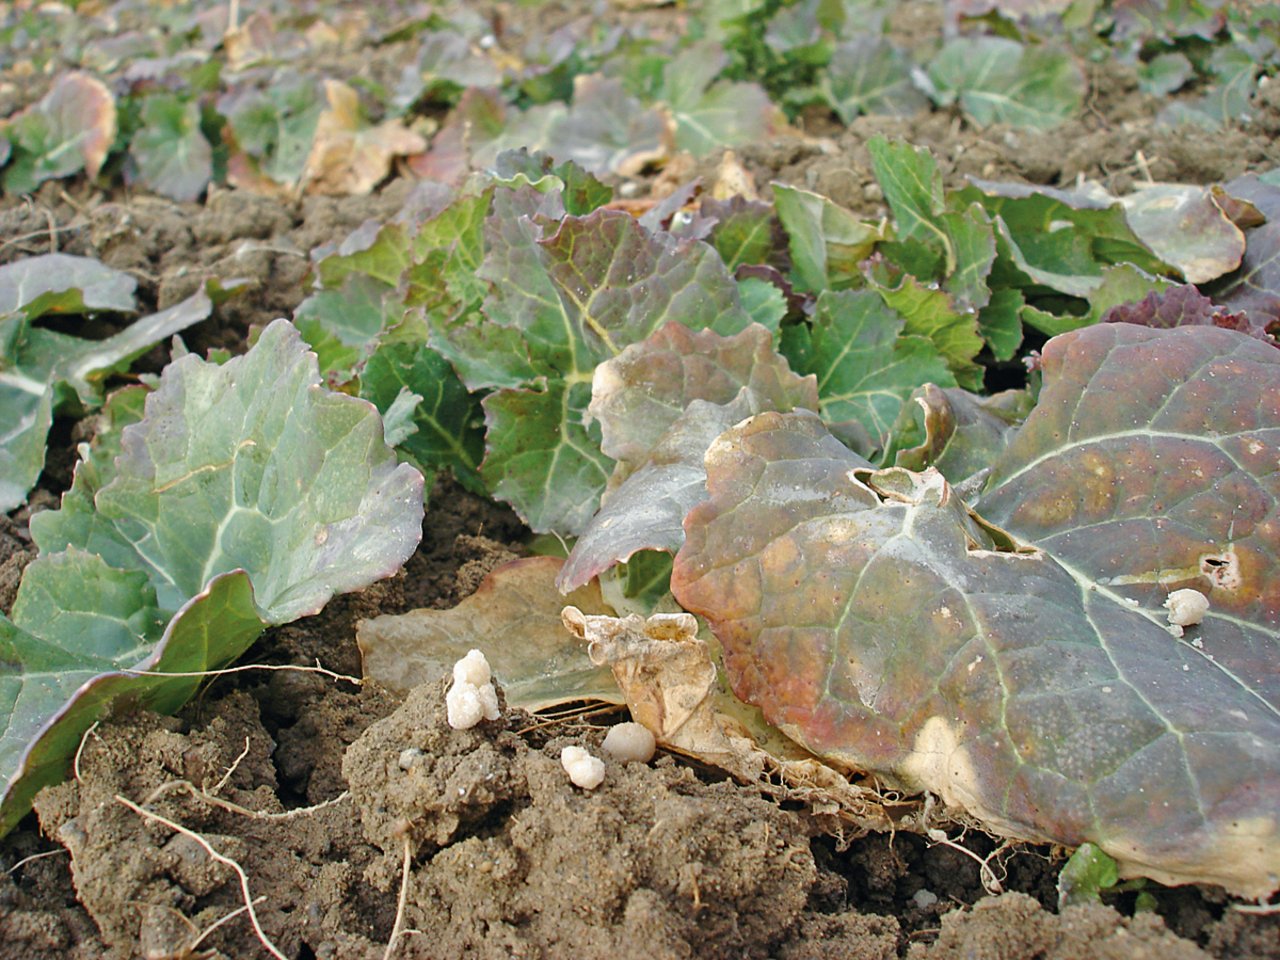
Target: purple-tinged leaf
[
  {"x": 877, "y": 620},
  {"x": 1182, "y": 306},
  {"x": 1255, "y": 287},
  {"x": 1174, "y": 487}
]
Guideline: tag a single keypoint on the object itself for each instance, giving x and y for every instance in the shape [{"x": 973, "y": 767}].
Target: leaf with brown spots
[{"x": 1016, "y": 658}]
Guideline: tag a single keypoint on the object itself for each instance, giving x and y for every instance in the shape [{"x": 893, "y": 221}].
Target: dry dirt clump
[
  {"x": 520, "y": 863},
  {"x": 507, "y": 858}
]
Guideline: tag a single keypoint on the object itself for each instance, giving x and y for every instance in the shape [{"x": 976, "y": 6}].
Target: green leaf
[
  {"x": 540, "y": 457},
  {"x": 171, "y": 155},
  {"x": 1000, "y": 323},
  {"x": 709, "y": 115},
  {"x": 1085, "y": 875},
  {"x": 276, "y": 125},
  {"x": 997, "y": 80},
  {"x": 576, "y": 297},
  {"x": 826, "y": 241},
  {"x": 959, "y": 433},
  {"x": 343, "y": 323},
  {"x": 62, "y": 283},
  {"x": 449, "y": 421},
  {"x": 1060, "y": 239},
  {"x": 42, "y": 371},
  {"x": 26, "y": 406},
  {"x": 582, "y": 192},
  {"x": 1165, "y": 73},
  {"x": 933, "y": 314},
  {"x": 70, "y": 129},
  {"x": 744, "y": 232},
  {"x": 763, "y": 302},
  {"x": 53, "y": 692},
  {"x": 912, "y": 187},
  {"x": 963, "y": 239},
  {"x": 606, "y": 130},
  {"x": 292, "y": 477},
  {"x": 1122, "y": 284},
  {"x": 865, "y": 365},
  {"x": 281, "y": 496},
  {"x": 870, "y": 75}
]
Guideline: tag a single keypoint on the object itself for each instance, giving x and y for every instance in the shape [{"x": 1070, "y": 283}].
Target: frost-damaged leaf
[
  {"x": 284, "y": 495},
  {"x": 869, "y": 75},
  {"x": 349, "y": 157},
  {"x": 711, "y": 114},
  {"x": 660, "y": 404},
  {"x": 998, "y": 80},
  {"x": 69, "y": 130},
  {"x": 169, "y": 152},
  {"x": 959, "y": 433},
  {"x": 1186, "y": 227},
  {"x": 578, "y": 297},
  {"x": 865, "y": 365},
  {"x": 873, "y": 617},
  {"x": 826, "y": 241},
  {"x": 514, "y": 617}
]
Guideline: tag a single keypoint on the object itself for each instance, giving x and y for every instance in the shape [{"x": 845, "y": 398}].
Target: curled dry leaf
[
  {"x": 674, "y": 687},
  {"x": 347, "y": 156}
]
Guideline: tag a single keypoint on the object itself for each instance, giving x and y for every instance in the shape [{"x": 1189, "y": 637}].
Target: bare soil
[{"x": 316, "y": 788}]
